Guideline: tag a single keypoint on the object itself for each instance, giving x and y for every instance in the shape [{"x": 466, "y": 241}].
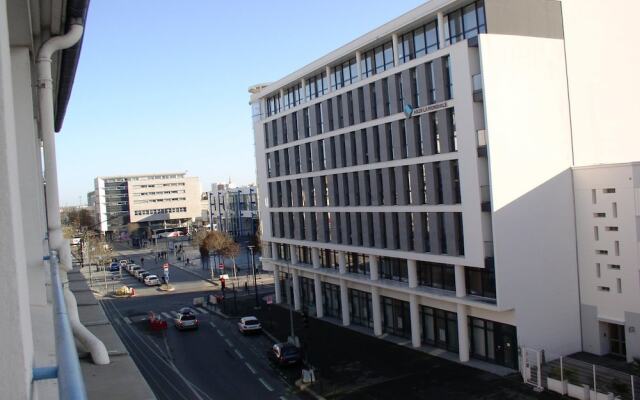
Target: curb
[{"x": 305, "y": 388}]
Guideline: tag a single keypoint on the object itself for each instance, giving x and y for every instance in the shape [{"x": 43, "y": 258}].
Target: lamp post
[{"x": 255, "y": 282}]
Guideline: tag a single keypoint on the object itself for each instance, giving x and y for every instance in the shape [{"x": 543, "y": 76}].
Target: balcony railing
[{"x": 70, "y": 381}]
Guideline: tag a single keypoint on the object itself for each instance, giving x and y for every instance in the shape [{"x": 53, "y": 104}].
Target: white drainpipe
[{"x": 57, "y": 242}]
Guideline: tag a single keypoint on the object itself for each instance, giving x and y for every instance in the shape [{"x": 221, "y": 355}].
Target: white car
[
  {"x": 249, "y": 325},
  {"x": 129, "y": 266},
  {"x": 137, "y": 272},
  {"x": 151, "y": 280},
  {"x": 133, "y": 269}
]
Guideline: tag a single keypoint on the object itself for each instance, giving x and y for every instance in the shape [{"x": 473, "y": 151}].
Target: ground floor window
[
  {"x": 439, "y": 328},
  {"x": 286, "y": 290},
  {"x": 331, "y": 300},
  {"x": 307, "y": 293},
  {"x": 617, "y": 343},
  {"x": 494, "y": 342},
  {"x": 360, "y": 308},
  {"x": 395, "y": 317}
]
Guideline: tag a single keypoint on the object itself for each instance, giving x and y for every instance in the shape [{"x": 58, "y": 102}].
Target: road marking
[
  {"x": 253, "y": 371},
  {"x": 175, "y": 314},
  {"x": 265, "y": 384},
  {"x": 127, "y": 320},
  {"x": 283, "y": 398},
  {"x": 193, "y": 311},
  {"x": 220, "y": 332},
  {"x": 212, "y": 324},
  {"x": 202, "y": 310},
  {"x": 229, "y": 343},
  {"x": 166, "y": 315},
  {"x": 240, "y": 356}
]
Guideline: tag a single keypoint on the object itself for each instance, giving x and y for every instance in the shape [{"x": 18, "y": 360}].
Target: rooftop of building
[
  {"x": 370, "y": 39},
  {"x": 129, "y": 176}
]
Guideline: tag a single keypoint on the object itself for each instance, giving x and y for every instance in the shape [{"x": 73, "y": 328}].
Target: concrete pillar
[
  {"x": 328, "y": 72},
  {"x": 413, "y": 273},
  {"x": 394, "y": 41},
  {"x": 358, "y": 68},
  {"x": 18, "y": 351},
  {"x": 442, "y": 43},
  {"x": 274, "y": 250},
  {"x": 317, "y": 286},
  {"x": 463, "y": 333},
  {"x": 461, "y": 285},
  {"x": 373, "y": 268},
  {"x": 315, "y": 257},
  {"x": 276, "y": 283},
  {"x": 303, "y": 95},
  {"x": 296, "y": 290},
  {"x": 342, "y": 262},
  {"x": 344, "y": 302},
  {"x": 415, "y": 320},
  {"x": 376, "y": 311},
  {"x": 294, "y": 254}
]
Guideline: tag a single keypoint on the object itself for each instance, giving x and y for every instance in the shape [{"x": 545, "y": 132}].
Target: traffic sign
[
  {"x": 221, "y": 266},
  {"x": 269, "y": 299}
]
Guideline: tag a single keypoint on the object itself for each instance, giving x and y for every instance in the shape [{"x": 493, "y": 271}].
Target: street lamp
[{"x": 255, "y": 283}]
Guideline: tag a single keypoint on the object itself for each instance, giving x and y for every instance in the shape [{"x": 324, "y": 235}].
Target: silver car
[{"x": 186, "y": 320}]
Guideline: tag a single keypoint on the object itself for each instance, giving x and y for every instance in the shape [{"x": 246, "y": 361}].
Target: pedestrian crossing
[{"x": 166, "y": 315}]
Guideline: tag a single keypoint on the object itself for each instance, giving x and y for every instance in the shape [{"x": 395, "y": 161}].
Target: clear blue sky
[{"x": 162, "y": 85}]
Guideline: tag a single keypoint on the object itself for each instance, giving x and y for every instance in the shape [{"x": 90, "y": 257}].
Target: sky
[{"x": 162, "y": 86}]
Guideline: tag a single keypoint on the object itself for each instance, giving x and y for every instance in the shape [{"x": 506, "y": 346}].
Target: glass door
[
  {"x": 617, "y": 343},
  {"x": 506, "y": 343}
]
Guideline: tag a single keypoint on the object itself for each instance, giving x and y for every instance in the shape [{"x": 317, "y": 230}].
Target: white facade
[
  {"x": 146, "y": 198},
  {"x": 533, "y": 98}
]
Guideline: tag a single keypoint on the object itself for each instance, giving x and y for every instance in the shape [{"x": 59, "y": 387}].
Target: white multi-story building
[
  {"x": 419, "y": 180},
  {"x": 156, "y": 201},
  {"x": 234, "y": 209}
]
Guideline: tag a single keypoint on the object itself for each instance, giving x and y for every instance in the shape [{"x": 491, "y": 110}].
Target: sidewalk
[{"x": 353, "y": 365}]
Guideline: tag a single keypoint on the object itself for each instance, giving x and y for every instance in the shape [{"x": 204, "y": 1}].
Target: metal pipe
[
  {"x": 70, "y": 382},
  {"x": 56, "y": 241}
]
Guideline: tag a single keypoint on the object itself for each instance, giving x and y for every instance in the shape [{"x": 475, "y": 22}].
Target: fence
[{"x": 586, "y": 381}]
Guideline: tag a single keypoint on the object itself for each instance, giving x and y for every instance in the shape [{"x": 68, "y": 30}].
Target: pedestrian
[
  {"x": 246, "y": 287},
  {"x": 187, "y": 261},
  {"x": 142, "y": 261}
]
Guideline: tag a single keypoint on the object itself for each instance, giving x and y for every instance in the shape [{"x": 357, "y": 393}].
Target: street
[{"x": 212, "y": 362}]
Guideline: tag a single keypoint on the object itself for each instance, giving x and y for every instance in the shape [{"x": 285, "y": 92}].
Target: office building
[
  {"x": 234, "y": 209},
  {"x": 155, "y": 201},
  {"x": 419, "y": 180}
]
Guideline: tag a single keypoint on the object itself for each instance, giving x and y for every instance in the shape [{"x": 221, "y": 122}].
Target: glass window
[
  {"x": 432, "y": 36},
  {"x": 388, "y": 56},
  {"x": 419, "y": 42},
  {"x": 379, "y": 58},
  {"x": 470, "y": 21}
]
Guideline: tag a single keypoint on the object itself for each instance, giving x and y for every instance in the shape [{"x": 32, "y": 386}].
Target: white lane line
[
  {"x": 240, "y": 356},
  {"x": 194, "y": 312},
  {"x": 265, "y": 384},
  {"x": 253, "y": 371},
  {"x": 166, "y": 315},
  {"x": 212, "y": 324},
  {"x": 220, "y": 332},
  {"x": 175, "y": 314},
  {"x": 229, "y": 343},
  {"x": 127, "y": 320},
  {"x": 202, "y": 310}
]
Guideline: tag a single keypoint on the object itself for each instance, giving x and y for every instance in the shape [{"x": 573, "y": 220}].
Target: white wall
[
  {"x": 604, "y": 79},
  {"x": 624, "y": 179},
  {"x": 528, "y": 129}
]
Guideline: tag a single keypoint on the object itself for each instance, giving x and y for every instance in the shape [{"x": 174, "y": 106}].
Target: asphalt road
[{"x": 213, "y": 362}]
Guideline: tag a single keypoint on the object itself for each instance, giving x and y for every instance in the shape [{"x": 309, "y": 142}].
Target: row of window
[
  {"x": 161, "y": 211},
  {"x": 434, "y": 232},
  {"x": 418, "y": 184},
  {"x": 433, "y": 133},
  {"x": 160, "y": 185},
  {"x": 422, "y": 85},
  {"x": 463, "y": 23},
  {"x": 158, "y": 193},
  {"x": 160, "y": 200}
]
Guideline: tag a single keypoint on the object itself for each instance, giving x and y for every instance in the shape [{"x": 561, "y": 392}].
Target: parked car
[
  {"x": 129, "y": 266},
  {"x": 249, "y": 325},
  {"x": 114, "y": 267},
  {"x": 186, "y": 320},
  {"x": 137, "y": 272},
  {"x": 285, "y": 354},
  {"x": 143, "y": 275},
  {"x": 133, "y": 270},
  {"x": 151, "y": 280}
]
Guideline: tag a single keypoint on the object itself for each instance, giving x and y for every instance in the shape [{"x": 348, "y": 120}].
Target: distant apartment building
[
  {"x": 435, "y": 179},
  {"x": 234, "y": 209},
  {"x": 153, "y": 201}
]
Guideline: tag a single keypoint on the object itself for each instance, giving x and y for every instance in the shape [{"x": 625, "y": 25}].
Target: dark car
[
  {"x": 114, "y": 267},
  {"x": 285, "y": 354},
  {"x": 143, "y": 275}
]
